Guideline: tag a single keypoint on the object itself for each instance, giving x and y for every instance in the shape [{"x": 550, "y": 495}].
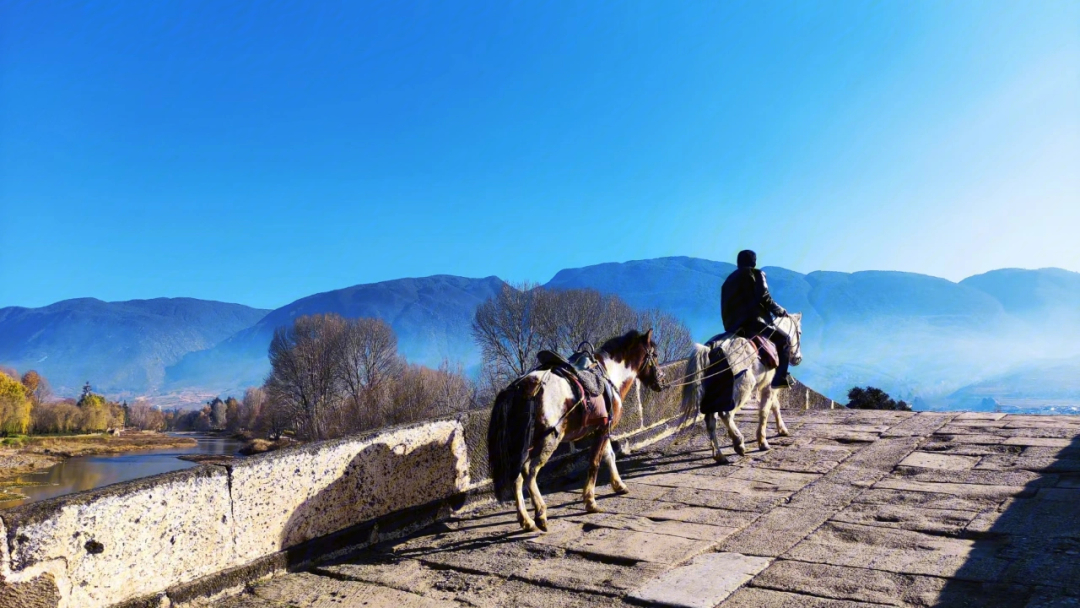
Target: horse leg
[
  {"x": 781, "y": 428},
  {"x": 710, "y": 425},
  {"x": 526, "y": 522},
  {"x": 594, "y": 467},
  {"x": 616, "y": 481},
  {"x": 550, "y": 443},
  {"x": 737, "y": 440},
  {"x": 764, "y": 404}
]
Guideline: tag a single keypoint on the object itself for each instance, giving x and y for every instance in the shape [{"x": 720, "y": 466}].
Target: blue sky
[{"x": 264, "y": 151}]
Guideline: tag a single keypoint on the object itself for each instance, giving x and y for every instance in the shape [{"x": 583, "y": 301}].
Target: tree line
[
  {"x": 331, "y": 376},
  {"x": 27, "y": 406}
]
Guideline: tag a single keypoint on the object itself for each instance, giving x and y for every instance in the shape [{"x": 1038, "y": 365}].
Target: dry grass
[{"x": 97, "y": 444}]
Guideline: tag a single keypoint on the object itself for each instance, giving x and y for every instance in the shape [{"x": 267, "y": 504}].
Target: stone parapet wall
[{"x": 182, "y": 537}]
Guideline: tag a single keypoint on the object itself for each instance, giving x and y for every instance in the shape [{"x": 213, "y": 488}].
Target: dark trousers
[{"x": 777, "y": 337}]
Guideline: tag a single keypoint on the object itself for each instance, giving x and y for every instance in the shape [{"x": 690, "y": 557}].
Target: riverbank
[{"x": 33, "y": 454}]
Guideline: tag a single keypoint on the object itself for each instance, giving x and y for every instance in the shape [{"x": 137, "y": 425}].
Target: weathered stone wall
[{"x": 184, "y": 536}]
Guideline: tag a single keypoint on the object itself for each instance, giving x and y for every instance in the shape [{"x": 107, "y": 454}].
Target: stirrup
[{"x": 786, "y": 382}]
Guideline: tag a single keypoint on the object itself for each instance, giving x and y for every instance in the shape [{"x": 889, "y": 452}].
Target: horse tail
[
  {"x": 510, "y": 432},
  {"x": 694, "y": 389}
]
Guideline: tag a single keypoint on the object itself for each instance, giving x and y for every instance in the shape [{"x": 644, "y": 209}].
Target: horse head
[
  {"x": 649, "y": 370},
  {"x": 635, "y": 353}
]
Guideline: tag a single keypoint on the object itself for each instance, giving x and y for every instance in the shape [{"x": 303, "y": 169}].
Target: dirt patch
[{"x": 258, "y": 446}]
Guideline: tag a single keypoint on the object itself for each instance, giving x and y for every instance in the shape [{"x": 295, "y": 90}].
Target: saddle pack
[
  {"x": 766, "y": 350},
  {"x": 590, "y": 387}
]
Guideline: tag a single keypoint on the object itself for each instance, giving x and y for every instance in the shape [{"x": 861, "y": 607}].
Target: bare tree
[
  {"x": 512, "y": 326},
  {"x": 506, "y": 330},
  {"x": 303, "y": 376},
  {"x": 368, "y": 359},
  {"x": 671, "y": 335},
  {"x": 145, "y": 417},
  {"x": 251, "y": 407}
]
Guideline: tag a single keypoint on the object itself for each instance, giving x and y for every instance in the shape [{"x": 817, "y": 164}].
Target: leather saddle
[{"x": 589, "y": 385}]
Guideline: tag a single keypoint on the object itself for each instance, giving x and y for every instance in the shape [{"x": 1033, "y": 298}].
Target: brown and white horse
[
  {"x": 538, "y": 411},
  {"x": 752, "y": 378}
]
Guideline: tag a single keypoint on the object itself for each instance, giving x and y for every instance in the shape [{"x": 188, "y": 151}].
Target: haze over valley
[{"x": 1007, "y": 338}]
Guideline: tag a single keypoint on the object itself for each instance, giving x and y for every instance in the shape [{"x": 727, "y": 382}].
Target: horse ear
[
  {"x": 797, "y": 316},
  {"x": 648, "y": 336}
]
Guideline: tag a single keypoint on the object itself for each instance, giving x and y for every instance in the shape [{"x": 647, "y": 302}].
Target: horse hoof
[
  {"x": 740, "y": 450},
  {"x": 720, "y": 459},
  {"x": 623, "y": 489},
  {"x": 541, "y": 523},
  {"x": 784, "y": 433},
  {"x": 764, "y": 447},
  {"x": 591, "y": 507},
  {"x": 529, "y": 526}
]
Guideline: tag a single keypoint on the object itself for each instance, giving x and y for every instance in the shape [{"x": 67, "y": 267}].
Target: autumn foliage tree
[{"x": 15, "y": 406}]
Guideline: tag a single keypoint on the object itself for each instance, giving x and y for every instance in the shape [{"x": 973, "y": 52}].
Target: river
[{"x": 89, "y": 472}]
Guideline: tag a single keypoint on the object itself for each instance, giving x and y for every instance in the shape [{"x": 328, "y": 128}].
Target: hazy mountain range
[{"x": 1008, "y": 335}]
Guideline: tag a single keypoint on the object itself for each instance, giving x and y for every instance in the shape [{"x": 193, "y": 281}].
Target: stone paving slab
[
  {"x": 858, "y": 508},
  {"x": 704, "y": 582},
  {"x": 947, "y": 462}
]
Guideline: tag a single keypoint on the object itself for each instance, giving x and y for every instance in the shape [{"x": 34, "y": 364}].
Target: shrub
[{"x": 872, "y": 398}]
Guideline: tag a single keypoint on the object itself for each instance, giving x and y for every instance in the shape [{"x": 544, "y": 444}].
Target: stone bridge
[{"x": 856, "y": 508}]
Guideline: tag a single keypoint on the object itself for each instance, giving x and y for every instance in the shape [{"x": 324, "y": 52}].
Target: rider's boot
[{"x": 783, "y": 379}]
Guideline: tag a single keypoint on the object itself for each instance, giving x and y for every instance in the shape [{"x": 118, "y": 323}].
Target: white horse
[{"x": 751, "y": 377}]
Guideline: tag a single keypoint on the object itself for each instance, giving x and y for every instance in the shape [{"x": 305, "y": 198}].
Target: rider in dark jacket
[{"x": 746, "y": 306}]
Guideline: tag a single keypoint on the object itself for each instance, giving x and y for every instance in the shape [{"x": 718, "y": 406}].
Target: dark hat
[{"x": 747, "y": 259}]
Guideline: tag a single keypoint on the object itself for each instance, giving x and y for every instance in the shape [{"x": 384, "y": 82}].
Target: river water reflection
[{"x": 89, "y": 472}]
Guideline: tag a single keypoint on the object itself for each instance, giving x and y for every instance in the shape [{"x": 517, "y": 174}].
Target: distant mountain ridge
[
  {"x": 914, "y": 335},
  {"x": 431, "y": 316},
  {"x": 120, "y": 347}
]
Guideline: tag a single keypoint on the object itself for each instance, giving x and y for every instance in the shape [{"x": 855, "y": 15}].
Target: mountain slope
[
  {"x": 911, "y": 334},
  {"x": 119, "y": 347},
  {"x": 431, "y": 316},
  {"x": 1031, "y": 294}
]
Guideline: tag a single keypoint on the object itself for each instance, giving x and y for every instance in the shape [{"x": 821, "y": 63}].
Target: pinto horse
[
  {"x": 538, "y": 411},
  {"x": 751, "y": 377}
]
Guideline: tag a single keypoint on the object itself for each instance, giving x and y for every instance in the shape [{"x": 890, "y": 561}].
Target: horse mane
[{"x": 622, "y": 344}]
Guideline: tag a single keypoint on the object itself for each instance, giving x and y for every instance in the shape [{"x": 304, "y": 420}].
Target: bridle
[{"x": 651, "y": 360}]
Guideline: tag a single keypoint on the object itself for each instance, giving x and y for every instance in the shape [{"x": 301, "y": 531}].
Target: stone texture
[
  {"x": 900, "y": 551},
  {"x": 765, "y": 598},
  {"x": 705, "y": 582},
  {"x": 776, "y": 531},
  {"x": 889, "y": 588},
  {"x": 315, "y": 591},
  {"x": 285, "y": 498},
  {"x": 95, "y": 544}
]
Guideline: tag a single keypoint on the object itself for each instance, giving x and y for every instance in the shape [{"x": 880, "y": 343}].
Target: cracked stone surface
[{"x": 856, "y": 508}]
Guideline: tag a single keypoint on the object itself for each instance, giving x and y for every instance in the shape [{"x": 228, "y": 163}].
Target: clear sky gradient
[{"x": 259, "y": 152}]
